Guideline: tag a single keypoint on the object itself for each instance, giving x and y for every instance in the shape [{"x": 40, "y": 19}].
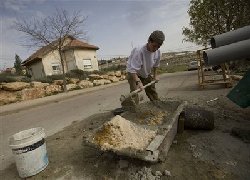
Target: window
[
  {"x": 87, "y": 64},
  {"x": 55, "y": 68}
]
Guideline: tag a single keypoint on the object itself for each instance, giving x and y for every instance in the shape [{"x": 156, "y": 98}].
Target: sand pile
[{"x": 120, "y": 133}]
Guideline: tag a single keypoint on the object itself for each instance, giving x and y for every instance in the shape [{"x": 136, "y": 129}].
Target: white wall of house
[
  {"x": 70, "y": 60},
  {"x": 86, "y": 59},
  {"x": 75, "y": 59},
  {"x": 52, "y": 63}
]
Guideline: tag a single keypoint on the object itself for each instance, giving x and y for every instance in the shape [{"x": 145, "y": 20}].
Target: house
[{"x": 76, "y": 55}]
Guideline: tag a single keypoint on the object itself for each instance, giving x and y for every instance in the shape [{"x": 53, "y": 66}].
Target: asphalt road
[{"x": 56, "y": 112}]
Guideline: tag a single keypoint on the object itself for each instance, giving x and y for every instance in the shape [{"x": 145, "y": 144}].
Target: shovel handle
[{"x": 123, "y": 97}]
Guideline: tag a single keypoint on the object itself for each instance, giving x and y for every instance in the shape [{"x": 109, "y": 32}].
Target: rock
[
  {"x": 58, "y": 82},
  {"x": 73, "y": 81},
  {"x": 38, "y": 84},
  {"x": 105, "y": 76},
  {"x": 93, "y": 77},
  {"x": 167, "y": 173},
  {"x": 123, "y": 77},
  {"x": 98, "y": 82},
  {"x": 175, "y": 142},
  {"x": 71, "y": 87},
  {"x": 158, "y": 173},
  {"x": 118, "y": 73},
  {"x": 7, "y": 97},
  {"x": 123, "y": 164},
  {"x": 111, "y": 73},
  {"x": 113, "y": 79},
  {"x": 85, "y": 84},
  {"x": 15, "y": 86},
  {"x": 53, "y": 89},
  {"x": 32, "y": 93},
  {"x": 106, "y": 81}
]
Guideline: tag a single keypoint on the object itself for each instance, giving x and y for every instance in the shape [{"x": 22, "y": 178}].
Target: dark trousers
[{"x": 150, "y": 90}]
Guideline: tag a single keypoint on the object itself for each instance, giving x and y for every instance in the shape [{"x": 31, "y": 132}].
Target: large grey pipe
[
  {"x": 235, "y": 51},
  {"x": 231, "y": 37}
]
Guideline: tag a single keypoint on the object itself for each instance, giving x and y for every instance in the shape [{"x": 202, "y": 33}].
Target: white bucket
[{"x": 29, "y": 149}]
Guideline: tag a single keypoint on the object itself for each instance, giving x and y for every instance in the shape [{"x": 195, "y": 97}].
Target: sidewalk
[{"x": 15, "y": 107}]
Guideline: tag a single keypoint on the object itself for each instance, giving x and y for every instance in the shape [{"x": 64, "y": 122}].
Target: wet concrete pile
[{"x": 119, "y": 133}]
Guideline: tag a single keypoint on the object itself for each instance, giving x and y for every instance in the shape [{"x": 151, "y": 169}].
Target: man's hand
[
  {"x": 139, "y": 85},
  {"x": 156, "y": 79}
]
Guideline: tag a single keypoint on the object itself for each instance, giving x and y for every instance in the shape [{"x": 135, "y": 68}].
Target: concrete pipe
[
  {"x": 198, "y": 118},
  {"x": 236, "y": 51},
  {"x": 231, "y": 37}
]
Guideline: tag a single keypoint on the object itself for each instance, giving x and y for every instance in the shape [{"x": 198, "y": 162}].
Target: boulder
[
  {"x": 15, "y": 86},
  {"x": 98, "y": 82},
  {"x": 58, "y": 82},
  {"x": 123, "y": 77},
  {"x": 118, "y": 73},
  {"x": 85, "y": 84},
  {"x": 111, "y": 73},
  {"x": 73, "y": 81},
  {"x": 93, "y": 77},
  {"x": 31, "y": 93},
  {"x": 53, "y": 89},
  {"x": 7, "y": 97},
  {"x": 106, "y": 81},
  {"x": 105, "y": 76},
  {"x": 113, "y": 79},
  {"x": 71, "y": 87},
  {"x": 38, "y": 84}
]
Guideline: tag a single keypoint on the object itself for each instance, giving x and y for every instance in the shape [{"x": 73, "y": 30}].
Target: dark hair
[{"x": 157, "y": 36}]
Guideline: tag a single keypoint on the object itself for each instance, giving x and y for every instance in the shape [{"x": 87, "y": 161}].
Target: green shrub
[
  {"x": 25, "y": 79},
  {"x": 46, "y": 79},
  {"x": 78, "y": 73},
  {"x": 172, "y": 68},
  {"x": 112, "y": 68},
  {"x": 7, "y": 77}
]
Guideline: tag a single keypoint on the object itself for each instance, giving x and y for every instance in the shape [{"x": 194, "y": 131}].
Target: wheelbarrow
[{"x": 166, "y": 129}]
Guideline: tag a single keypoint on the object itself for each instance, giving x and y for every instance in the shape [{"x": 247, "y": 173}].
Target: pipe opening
[
  {"x": 205, "y": 58},
  {"x": 213, "y": 44}
]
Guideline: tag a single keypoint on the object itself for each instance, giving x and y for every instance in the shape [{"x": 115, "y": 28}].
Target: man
[{"x": 142, "y": 65}]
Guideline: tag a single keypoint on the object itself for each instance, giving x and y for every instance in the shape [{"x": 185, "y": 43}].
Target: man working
[{"x": 140, "y": 64}]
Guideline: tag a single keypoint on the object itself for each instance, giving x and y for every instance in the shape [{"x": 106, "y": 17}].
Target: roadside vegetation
[{"x": 172, "y": 68}]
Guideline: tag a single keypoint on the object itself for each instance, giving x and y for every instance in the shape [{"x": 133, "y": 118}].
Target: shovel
[{"x": 124, "y": 97}]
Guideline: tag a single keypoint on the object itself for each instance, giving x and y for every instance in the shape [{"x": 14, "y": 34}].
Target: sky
[{"x": 115, "y": 26}]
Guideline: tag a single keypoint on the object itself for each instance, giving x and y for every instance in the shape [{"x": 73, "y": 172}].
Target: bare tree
[{"x": 52, "y": 31}]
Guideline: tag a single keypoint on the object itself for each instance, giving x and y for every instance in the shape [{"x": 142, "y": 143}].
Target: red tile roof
[{"x": 74, "y": 44}]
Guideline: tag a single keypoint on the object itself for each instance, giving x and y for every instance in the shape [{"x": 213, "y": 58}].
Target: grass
[{"x": 172, "y": 68}]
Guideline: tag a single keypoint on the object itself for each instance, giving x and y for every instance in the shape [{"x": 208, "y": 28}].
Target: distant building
[{"x": 76, "y": 55}]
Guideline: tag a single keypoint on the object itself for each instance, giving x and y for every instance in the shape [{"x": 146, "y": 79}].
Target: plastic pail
[{"x": 30, "y": 152}]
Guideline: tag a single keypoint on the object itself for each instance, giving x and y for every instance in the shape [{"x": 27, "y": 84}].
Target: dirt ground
[{"x": 194, "y": 154}]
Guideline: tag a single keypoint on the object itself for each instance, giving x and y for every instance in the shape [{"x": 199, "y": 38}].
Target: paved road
[{"x": 56, "y": 112}]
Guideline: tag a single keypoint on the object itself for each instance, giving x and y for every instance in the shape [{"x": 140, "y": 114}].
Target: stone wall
[{"x": 21, "y": 91}]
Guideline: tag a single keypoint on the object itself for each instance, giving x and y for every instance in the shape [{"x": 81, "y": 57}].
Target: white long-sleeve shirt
[{"x": 141, "y": 61}]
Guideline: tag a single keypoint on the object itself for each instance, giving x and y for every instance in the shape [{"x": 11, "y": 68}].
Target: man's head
[{"x": 155, "y": 40}]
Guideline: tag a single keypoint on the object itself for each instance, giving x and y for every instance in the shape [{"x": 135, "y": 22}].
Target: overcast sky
[{"x": 115, "y": 26}]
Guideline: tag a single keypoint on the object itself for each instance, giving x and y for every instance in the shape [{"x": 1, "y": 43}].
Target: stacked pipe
[{"x": 229, "y": 46}]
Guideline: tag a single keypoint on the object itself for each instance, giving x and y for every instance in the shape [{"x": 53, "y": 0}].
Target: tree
[
  {"x": 212, "y": 17},
  {"x": 52, "y": 31},
  {"x": 18, "y": 65}
]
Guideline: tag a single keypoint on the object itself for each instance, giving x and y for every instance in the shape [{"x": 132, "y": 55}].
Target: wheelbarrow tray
[{"x": 160, "y": 144}]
